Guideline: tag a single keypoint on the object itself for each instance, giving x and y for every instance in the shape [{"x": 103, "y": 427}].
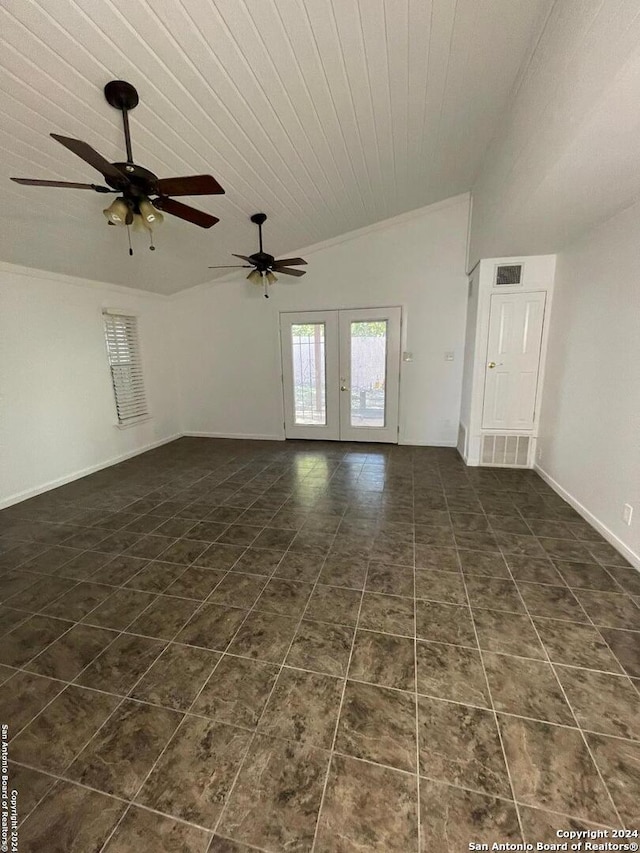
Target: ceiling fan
[
  {"x": 134, "y": 184},
  {"x": 264, "y": 265}
]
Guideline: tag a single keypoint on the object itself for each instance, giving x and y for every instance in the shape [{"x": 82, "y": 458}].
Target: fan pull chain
[
  {"x": 266, "y": 285},
  {"x": 129, "y": 236},
  {"x": 152, "y": 248}
]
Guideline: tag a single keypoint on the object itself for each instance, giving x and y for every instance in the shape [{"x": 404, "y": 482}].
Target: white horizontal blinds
[{"x": 123, "y": 349}]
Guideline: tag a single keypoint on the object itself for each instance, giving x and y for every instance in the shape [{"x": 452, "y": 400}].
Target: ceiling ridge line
[
  {"x": 312, "y": 103},
  {"x": 438, "y": 131},
  {"x": 332, "y": 101},
  {"x": 293, "y": 111},
  {"x": 390, "y": 99},
  {"x": 365, "y": 57},
  {"x": 423, "y": 123},
  {"x": 349, "y": 89},
  {"x": 476, "y": 8}
]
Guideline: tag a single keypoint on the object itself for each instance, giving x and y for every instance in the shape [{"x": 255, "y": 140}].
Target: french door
[{"x": 341, "y": 374}]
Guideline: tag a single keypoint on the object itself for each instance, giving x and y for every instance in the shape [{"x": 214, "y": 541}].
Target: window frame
[{"x": 130, "y": 339}]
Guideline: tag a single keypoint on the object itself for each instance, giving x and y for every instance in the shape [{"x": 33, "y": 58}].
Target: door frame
[{"x": 338, "y": 413}]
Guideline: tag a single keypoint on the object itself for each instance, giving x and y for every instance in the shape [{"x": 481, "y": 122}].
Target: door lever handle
[
  {"x": 343, "y": 388},
  {"x": 493, "y": 364}
]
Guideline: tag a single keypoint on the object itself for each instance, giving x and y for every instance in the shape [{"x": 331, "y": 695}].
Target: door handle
[
  {"x": 493, "y": 364},
  {"x": 343, "y": 388}
]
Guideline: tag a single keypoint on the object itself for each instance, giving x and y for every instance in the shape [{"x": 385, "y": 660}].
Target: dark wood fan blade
[
  {"x": 231, "y": 267},
  {"x": 191, "y": 185},
  {"x": 287, "y": 271},
  {"x": 183, "y": 211},
  {"x": 285, "y": 262},
  {"x": 90, "y": 156},
  {"x": 243, "y": 258},
  {"x": 34, "y": 182}
]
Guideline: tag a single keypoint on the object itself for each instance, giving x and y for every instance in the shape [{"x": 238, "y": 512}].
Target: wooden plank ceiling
[{"x": 328, "y": 115}]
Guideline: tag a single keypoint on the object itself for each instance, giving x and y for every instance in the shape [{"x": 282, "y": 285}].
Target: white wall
[
  {"x": 228, "y": 343},
  {"x": 590, "y": 422},
  {"x": 57, "y": 413}
]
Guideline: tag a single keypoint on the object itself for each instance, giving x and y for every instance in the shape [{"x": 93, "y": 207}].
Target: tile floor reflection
[{"x": 225, "y": 646}]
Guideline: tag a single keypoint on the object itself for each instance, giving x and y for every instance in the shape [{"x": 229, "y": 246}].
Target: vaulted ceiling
[
  {"x": 328, "y": 115},
  {"x": 567, "y": 155}
]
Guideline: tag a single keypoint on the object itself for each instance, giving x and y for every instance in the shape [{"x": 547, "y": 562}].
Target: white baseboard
[
  {"x": 84, "y": 472},
  {"x": 240, "y": 435},
  {"x": 405, "y": 442},
  {"x": 611, "y": 537}
]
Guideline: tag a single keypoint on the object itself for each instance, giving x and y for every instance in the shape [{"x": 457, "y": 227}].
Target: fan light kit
[
  {"x": 264, "y": 265},
  {"x": 134, "y": 184}
]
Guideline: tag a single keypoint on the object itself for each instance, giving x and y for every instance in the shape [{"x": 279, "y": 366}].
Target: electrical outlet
[{"x": 627, "y": 513}]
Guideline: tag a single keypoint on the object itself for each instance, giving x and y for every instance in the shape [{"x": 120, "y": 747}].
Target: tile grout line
[
  {"x": 121, "y": 632},
  {"x": 415, "y": 676},
  {"x": 170, "y": 739},
  {"x": 222, "y": 654},
  {"x": 566, "y": 698},
  {"x": 122, "y": 699},
  {"x": 232, "y": 573},
  {"x": 317, "y": 580},
  {"x": 282, "y": 665},
  {"x": 332, "y": 749},
  {"x": 490, "y": 695},
  {"x": 320, "y": 672},
  {"x": 407, "y": 773}
]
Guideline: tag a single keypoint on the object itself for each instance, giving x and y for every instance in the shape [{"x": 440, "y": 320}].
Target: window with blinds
[{"x": 123, "y": 350}]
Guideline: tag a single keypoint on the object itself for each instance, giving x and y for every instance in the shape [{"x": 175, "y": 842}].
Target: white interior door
[
  {"x": 341, "y": 374},
  {"x": 513, "y": 360}
]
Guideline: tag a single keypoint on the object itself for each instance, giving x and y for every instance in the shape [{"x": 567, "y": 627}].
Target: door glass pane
[
  {"x": 368, "y": 373},
  {"x": 309, "y": 373}
]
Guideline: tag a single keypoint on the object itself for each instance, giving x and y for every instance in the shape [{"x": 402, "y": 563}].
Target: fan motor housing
[
  {"x": 142, "y": 181},
  {"x": 262, "y": 260}
]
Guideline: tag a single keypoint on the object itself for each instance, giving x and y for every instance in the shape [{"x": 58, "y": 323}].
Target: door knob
[
  {"x": 343, "y": 388},
  {"x": 493, "y": 364}
]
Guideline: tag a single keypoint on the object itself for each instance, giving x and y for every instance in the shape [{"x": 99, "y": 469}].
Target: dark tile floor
[{"x": 230, "y": 646}]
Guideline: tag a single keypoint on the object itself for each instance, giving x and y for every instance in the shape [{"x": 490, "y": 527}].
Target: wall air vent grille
[
  {"x": 505, "y": 451},
  {"x": 508, "y": 274}
]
